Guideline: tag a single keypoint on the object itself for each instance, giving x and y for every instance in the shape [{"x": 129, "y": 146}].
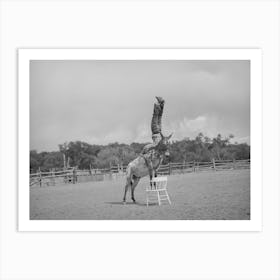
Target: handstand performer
[{"x": 147, "y": 151}]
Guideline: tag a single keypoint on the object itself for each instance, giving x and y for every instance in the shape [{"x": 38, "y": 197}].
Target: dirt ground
[{"x": 221, "y": 195}]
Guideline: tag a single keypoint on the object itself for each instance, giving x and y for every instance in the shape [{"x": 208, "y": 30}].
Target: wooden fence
[
  {"x": 72, "y": 175},
  {"x": 214, "y": 165}
]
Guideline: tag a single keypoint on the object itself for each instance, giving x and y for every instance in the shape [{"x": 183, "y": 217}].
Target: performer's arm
[{"x": 148, "y": 148}]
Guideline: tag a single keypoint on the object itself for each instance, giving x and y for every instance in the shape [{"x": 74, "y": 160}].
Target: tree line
[{"x": 85, "y": 156}]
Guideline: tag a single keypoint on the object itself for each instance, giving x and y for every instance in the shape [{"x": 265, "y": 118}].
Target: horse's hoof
[{"x": 134, "y": 201}]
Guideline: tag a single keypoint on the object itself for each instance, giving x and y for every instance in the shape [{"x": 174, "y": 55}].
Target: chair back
[{"x": 159, "y": 182}]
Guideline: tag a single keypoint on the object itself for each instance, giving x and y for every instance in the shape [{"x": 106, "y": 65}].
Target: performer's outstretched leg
[
  {"x": 157, "y": 116},
  {"x": 156, "y": 129},
  {"x": 156, "y": 134}
]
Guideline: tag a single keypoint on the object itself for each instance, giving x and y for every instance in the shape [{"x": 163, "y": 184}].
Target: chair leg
[
  {"x": 158, "y": 198},
  {"x": 168, "y": 197}
]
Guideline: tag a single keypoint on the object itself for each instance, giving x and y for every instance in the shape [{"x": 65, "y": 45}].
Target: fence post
[
  {"x": 214, "y": 164},
  {"x": 170, "y": 168},
  {"x": 111, "y": 172},
  {"x": 194, "y": 166},
  {"x": 74, "y": 175},
  {"x": 53, "y": 175},
  {"x": 40, "y": 177}
]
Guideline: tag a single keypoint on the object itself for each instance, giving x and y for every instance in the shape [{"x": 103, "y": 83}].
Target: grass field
[{"x": 221, "y": 195}]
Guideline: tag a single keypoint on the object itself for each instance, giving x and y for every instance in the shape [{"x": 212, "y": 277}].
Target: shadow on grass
[{"x": 131, "y": 203}]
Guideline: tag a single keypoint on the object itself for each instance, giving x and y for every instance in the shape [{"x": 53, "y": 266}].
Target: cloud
[
  {"x": 120, "y": 134},
  {"x": 208, "y": 125},
  {"x": 111, "y": 101},
  {"x": 191, "y": 127},
  {"x": 143, "y": 133},
  {"x": 245, "y": 139}
]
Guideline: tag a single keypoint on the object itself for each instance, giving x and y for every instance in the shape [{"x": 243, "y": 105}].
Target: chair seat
[
  {"x": 156, "y": 190},
  {"x": 157, "y": 186}
]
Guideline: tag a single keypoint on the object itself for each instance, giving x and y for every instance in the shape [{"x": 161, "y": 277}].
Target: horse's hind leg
[
  {"x": 135, "y": 183},
  {"x": 125, "y": 190}
]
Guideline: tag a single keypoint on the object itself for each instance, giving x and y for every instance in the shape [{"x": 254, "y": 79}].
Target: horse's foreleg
[
  {"x": 135, "y": 183},
  {"x": 151, "y": 176},
  {"x": 151, "y": 184},
  {"x": 155, "y": 177}
]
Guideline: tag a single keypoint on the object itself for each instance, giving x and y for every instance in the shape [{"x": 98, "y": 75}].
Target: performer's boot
[
  {"x": 160, "y": 100},
  {"x": 157, "y": 115}
]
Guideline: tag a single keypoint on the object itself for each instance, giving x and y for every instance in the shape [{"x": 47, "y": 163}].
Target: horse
[{"x": 138, "y": 168}]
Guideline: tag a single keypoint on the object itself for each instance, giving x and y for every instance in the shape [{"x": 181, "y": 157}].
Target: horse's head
[{"x": 163, "y": 145}]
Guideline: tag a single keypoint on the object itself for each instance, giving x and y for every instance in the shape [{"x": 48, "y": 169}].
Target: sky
[{"x": 101, "y": 102}]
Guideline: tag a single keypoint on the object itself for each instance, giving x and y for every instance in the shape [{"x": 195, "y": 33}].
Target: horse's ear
[{"x": 168, "y": 137}]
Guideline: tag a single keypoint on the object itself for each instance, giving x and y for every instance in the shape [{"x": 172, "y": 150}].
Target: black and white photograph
[{"x": 139, "y": 139}]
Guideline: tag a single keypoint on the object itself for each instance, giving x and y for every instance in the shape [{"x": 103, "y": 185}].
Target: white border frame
[{"x": 254, "y": 55}]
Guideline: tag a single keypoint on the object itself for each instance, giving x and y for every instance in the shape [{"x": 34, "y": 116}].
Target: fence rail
[{"x": 73, "y": 176}]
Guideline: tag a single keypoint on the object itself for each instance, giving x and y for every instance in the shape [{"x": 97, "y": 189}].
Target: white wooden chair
[{"x": 158, "y": 191}]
